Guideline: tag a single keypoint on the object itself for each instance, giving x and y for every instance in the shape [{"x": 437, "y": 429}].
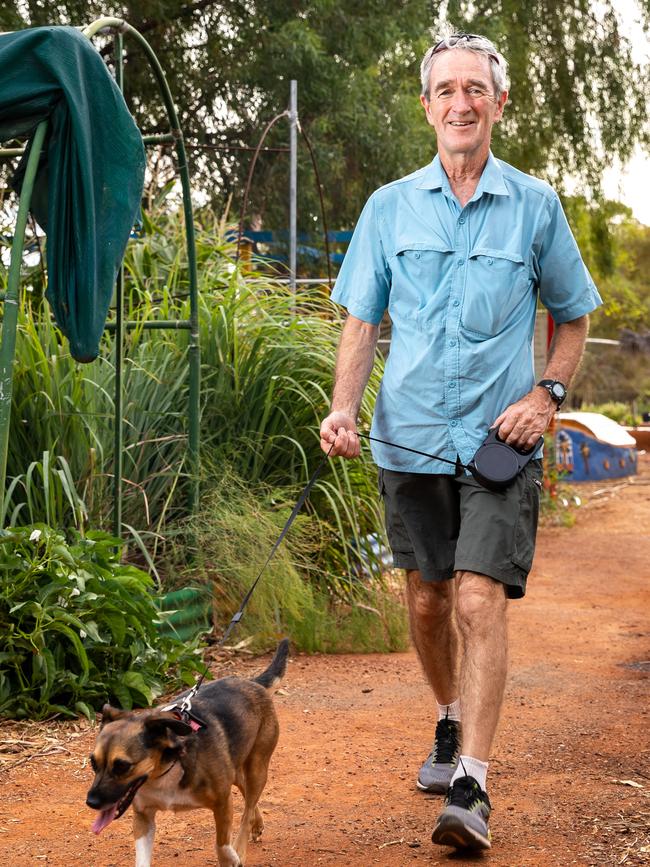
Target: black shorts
[{"x": 439, "y": 524}]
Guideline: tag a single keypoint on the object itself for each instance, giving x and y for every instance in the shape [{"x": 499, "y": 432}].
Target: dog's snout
[{"x": 94, "y": 800}]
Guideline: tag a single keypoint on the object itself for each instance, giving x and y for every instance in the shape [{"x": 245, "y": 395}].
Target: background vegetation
[
  {"x": 267, "y": 365},
  {"x": 578, "y": 100}
]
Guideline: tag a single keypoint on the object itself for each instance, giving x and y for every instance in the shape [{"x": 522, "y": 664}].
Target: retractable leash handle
[{"x": 495, "y": 465}]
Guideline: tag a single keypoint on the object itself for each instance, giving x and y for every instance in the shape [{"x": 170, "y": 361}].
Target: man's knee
[
  {"x": 433, "y": 600},
  {"x": 480, "y": 601}
]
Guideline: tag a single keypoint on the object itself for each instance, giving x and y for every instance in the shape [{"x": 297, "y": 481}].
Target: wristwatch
[{"x": 555, "y": 388}]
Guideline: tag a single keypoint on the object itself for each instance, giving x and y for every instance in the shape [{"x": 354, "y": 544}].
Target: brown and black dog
[{"x": 158, "y": 762}]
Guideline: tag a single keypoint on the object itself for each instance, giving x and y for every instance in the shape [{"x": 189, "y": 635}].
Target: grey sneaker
[
  {"x": 436, "y": 773},
  {"x": 464, "y": 821}
]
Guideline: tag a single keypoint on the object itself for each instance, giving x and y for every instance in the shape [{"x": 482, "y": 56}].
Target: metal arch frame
[{"x": 8, "y": 345}]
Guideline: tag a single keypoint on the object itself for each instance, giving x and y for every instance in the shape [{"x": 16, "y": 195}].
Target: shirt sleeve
[
  {"x": 363, "y": 283},
  {"x": 565, "y": 285}
]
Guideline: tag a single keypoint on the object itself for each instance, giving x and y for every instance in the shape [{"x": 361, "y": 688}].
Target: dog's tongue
[{"x": 105, "y": 818}]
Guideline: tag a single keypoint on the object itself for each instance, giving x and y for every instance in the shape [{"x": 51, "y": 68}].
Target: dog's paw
[{"x": 228, "y": 857}]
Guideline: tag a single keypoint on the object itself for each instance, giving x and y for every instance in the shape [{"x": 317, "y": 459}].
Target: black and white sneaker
[
  {"x": 436, "y": 773},
  {"x": 464, "y": 821}
]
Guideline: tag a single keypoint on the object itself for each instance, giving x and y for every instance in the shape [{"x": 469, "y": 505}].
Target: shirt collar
[{"x": 434, "y": 177}]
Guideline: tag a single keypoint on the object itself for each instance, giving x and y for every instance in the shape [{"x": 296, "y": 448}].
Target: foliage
[
  {"x": 577, "y": 99},
  {"x": 267, "y": 360},
  {"x": 573, "y": 75},
  {"x": 63, "y": 408},
  {"x": 617, "y": 410},
  {"x": 607, "y": 374},
  {"x": 78, "y": 627},
  {"x": 46, "y": 489},
  {"x": 230, "y": 541},
  {"x": 626, "y": 289},
  {"x": 616, "y": 249}
]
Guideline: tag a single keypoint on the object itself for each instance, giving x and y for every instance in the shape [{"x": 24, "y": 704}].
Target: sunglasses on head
[{"x": 455, "y": 38}]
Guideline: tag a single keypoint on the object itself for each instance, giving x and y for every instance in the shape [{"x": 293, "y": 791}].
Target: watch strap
[{"x": 548, "y": 385}]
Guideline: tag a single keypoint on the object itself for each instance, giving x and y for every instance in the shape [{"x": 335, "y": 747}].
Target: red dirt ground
[{"x": 574, "y": 735}]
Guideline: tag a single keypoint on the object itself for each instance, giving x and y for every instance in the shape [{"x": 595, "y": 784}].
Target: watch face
[{"x": 558, "y": 391}]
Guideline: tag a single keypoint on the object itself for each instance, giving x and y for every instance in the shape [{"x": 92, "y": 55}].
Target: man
[{"x": 458, "y": 253}]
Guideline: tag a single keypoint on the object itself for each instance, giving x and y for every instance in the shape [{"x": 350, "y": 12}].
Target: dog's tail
[{"x": 275, "y": 672}]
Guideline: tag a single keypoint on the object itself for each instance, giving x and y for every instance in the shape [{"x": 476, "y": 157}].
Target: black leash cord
[{"x": 415, "y": 451}]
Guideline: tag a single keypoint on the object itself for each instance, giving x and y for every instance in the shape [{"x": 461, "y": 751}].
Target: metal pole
[
  {"x": 194, "y": 349},
  {"x": 118, "y": 464},
  {"x": 10, "y": 318},
  {"x": 293, "y": 181}
]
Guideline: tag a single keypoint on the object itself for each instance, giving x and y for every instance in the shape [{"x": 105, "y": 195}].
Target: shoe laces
[
  {"x": 446, "y": 744},
  {"x": 466, "y": 793}
]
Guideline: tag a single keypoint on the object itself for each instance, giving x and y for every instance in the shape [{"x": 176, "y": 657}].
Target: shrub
[
  {"x": 230, "y": 540},
  {"x": 79, "y": 627}
]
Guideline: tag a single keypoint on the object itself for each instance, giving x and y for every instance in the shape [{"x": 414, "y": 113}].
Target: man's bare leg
[
  {"x": 481, "y": 614},
  {"x": 434, "y": 632}
]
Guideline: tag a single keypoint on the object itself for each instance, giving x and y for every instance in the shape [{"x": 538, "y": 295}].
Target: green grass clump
[{"x": 231, "y": 539}]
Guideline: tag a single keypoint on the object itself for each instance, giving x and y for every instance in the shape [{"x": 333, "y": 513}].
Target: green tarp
[{"x": 89, "y": 182}]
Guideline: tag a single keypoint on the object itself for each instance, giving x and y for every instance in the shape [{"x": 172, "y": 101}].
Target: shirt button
[
  {"x": 461, "y": 262},
  {"x": 461, "y": 220},
  {"x": 453, "y": 422},
  {"x": 417, "y": 255},
  {"x": 456, "y": 303},
  {"x": 490, "y": 261},
  {"x": 451, "y": 384},
  {"x": 452, "y": 342}
]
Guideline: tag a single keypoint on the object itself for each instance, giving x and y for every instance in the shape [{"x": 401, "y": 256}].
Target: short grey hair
[{"x": 466, "y": 42}]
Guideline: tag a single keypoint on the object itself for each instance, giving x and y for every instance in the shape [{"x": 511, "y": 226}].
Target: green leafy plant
[
  {"x": 47, "y": 489},
  {"x": 79, "y": 628}
]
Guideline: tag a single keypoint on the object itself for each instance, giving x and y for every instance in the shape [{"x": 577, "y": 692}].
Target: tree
[{"x": 578, "y": 99}]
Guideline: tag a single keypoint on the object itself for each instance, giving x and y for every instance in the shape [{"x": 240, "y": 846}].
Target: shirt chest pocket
[
  {"x": 419, "y": 270},
  {"x": 496, "y": 288}
]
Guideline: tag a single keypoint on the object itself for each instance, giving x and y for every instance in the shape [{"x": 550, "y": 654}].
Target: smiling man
[{"x": 459, "y": 253}]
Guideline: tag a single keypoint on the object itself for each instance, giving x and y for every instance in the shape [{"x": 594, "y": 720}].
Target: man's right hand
[{"x": 340, "y": 429}]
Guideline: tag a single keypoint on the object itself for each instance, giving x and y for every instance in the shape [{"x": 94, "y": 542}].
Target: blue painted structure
[{"x": 581, "y": 457}]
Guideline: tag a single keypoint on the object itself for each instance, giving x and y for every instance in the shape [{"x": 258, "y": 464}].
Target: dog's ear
[
  {"x": 161, "y": 730},
  {"x": 110, "y": 714}
]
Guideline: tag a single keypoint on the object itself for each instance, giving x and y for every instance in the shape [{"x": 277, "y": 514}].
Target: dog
[{"x": 156, "y": 760}]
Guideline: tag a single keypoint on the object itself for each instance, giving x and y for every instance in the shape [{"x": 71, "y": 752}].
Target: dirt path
[{"x": 576, "y": 724}]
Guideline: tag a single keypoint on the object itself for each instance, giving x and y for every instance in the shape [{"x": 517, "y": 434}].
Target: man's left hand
[{"x": 523, "y": 422}]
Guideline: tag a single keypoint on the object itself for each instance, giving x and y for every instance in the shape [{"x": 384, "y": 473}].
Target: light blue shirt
[{"x": 461, "y": 287}]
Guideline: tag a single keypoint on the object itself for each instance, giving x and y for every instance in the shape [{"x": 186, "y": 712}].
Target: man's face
[{"x": 462, "y": 106}]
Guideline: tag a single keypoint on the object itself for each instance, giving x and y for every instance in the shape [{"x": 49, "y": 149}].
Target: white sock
[
  {"x": 450, "y": 711},
  {"x": 471, "y": 767}
]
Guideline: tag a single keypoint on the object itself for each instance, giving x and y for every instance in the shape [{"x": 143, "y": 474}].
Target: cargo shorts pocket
[{"x": 526, "y": 526}]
